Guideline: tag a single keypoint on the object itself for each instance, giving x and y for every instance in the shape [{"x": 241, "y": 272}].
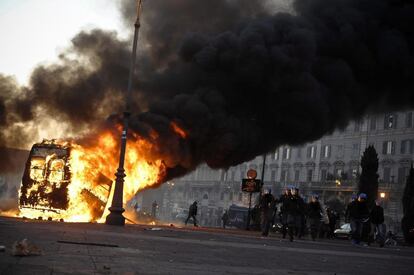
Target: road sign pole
[{"x": 249, "y": 212}]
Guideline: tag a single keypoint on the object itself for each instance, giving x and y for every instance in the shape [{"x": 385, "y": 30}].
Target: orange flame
[
  {"x": 87, "y": 163},
  {"x": 178, "y": 130}
]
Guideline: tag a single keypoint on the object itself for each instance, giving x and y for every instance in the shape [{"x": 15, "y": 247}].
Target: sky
[{"x": 35, "y": 31}]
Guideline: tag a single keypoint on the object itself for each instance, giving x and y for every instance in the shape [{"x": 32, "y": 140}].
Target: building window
[
  {"x": 407, "y": 146},
  {"x": 284, "y": 175},
  {"x": 340, "y": 151},
  {"x": 309, "y": 175},
  {"x": 277, "y": 154},
  {"x": 357, "y": 125},
  {"x": 299, "y": 153},
  {"x": 387, "y": 174},
  {"x": 338, "y": 173},
  {"x": 388, "y": 148},
  {"x": 297, "y": 175},
  {"x": 354, "y": 173},
  {"x": 311, "y": 152},
  {"x": 323, "y": 174},
  {"x": 273, "y": 175},
  {"x": 390, "y": 121},
  {"x": 355, "y": 149},
  {"x": 286, "y": 153},
  {"x": 223, "y": 175},
  {"x": 409, "y": 119},
  {"x": 326, "y": 151},
  {"x": 402, "y": 174},
  {"x": 373, "y": 123}
]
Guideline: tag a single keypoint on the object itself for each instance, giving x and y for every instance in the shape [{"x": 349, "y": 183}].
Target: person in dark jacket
[
  {"x": 266, "y": 205},
  {"x": 295, "y": 210},
  {"x": 225, "y": 219},
  {"x": 359, "y": 216},
  {"x": 314, "y": 215},
  {"x": 301, "y": 222},
  {"x": 377, "y": 219},
  {"x": 283, "y": 200},
  {"x": 333, "y": 218},
  {"x": 192, "y": 213},
  {"x": 349, "y": 206}
]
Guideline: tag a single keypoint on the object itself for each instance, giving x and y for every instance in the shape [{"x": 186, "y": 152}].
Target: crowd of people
[
  {"x": 366, "y": 225},
  {"x": 298, "y": 217}
]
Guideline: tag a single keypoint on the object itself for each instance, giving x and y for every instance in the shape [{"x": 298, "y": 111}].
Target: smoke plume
[{"x": 239, "y": 79}]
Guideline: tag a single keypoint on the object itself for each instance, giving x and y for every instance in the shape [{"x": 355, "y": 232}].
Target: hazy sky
[{"x": 34, "y": 31}]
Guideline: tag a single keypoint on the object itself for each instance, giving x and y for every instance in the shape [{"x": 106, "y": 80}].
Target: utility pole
[{"x": 116, "y": 209}]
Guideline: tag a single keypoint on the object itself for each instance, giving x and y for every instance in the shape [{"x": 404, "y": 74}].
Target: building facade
[{"x": 329, "y": 166}]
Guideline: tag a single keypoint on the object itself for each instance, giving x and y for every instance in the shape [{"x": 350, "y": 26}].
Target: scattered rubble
[{"x": 25, "y": 248}]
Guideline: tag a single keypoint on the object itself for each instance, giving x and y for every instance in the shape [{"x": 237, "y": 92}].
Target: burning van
[{"x": 47, "y": 179}]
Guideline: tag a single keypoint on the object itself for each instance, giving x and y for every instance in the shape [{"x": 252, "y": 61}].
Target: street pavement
[{"x": 70, "y": 248}]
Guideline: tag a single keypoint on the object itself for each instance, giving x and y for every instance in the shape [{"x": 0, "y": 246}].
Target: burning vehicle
[{"x": 47, "y": 179}]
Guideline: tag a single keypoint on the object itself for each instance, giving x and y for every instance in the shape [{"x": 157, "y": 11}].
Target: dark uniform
[
  {"x": 359, "y": 216},
  {"x": 295, "y": 210},
  {"x": 192, "y": 213},
  {"x": 225, "y": 219},
  {"x": 266, "y": 212},
  {"x": 314, "y": 210},
  {"x": 283, "y": 212},
  {"x": 377, "y": 219}
]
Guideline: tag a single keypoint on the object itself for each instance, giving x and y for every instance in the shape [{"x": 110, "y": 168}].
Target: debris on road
[
  {"x": 154, "y": 228},
  {"x": 25, "y": 248}
]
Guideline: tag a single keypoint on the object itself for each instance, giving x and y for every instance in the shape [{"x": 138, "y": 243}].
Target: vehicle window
[
  {"x": 37, "y": 168},
  {"x": 56, "y": 170}
]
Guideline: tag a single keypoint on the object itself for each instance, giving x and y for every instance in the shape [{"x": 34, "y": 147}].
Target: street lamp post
[{"x": 115, "y": 216}]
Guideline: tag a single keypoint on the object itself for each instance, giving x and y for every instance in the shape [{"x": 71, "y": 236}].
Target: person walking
[
  {"x": 192, "y": 213},
  {"x": 301, "y": 219},
  {"x": 283, "y": 200},
  {"x": 314, "y": 215},
  {"x": 225, "y": 219},
  {"x": 359, "y": 216},
  {"x": 154, "y": 210},
  {"x": 333, "y": 217},
  {"x": 377, "y": 219},
  {"x": 293, "y": 214},
  {"x": 266, "y": 211}
]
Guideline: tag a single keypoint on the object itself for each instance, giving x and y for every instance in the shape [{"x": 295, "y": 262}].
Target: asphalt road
[{"x": 139, "y": 249}]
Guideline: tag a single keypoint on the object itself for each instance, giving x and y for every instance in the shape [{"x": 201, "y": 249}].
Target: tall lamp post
[{"x": 115, "y": 216}]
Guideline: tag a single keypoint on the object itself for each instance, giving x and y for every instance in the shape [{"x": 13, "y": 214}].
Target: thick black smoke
[
  {"x": 285, "y": 79},
  {"x": 239, "y": 81},
  {"x": 89, "y": 81}
]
